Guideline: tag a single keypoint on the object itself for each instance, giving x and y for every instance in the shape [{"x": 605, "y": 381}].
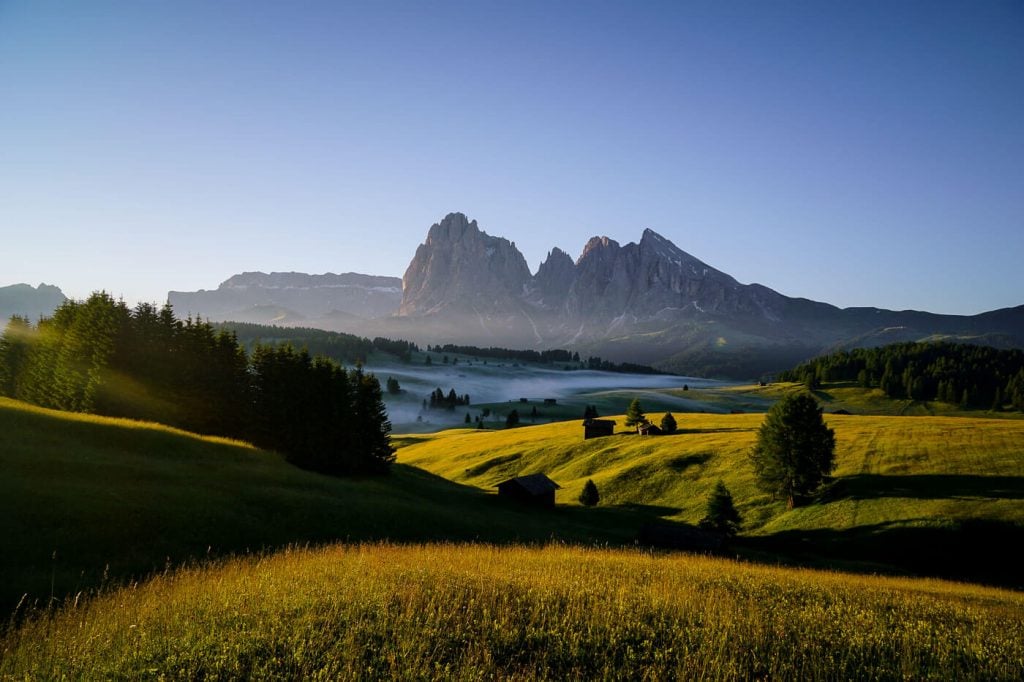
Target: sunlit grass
[
  {"x": 481, "y": 612},
  {"x": 943, "y": 462}
]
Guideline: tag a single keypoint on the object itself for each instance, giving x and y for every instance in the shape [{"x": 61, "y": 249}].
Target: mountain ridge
[{"x": 648, "y": 301}]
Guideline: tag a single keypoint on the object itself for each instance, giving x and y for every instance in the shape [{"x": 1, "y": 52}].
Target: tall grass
[{"x": 483, "y": 612}]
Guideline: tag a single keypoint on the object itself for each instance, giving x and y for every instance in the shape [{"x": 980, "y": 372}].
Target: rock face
[
  {"x": 643, "y": 302},
  {"x": 292, "y": 297},
  {"x": 648, "y": 302},
  {"x": 28, "y": 301},
  {"x": 462, "y": 269}
]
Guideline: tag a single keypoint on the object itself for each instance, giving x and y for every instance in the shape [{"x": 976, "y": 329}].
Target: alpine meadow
[{"x": 522, "y": 341}]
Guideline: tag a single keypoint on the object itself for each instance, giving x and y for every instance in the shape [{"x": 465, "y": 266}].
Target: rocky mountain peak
[
  {"x": 462, "y": 268},
  {"x": 597, "y": 245},
  {"x": 553, "y": 279}
]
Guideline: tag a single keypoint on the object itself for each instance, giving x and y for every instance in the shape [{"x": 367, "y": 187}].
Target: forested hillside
[
  {"x": 968, "y": 375},
  {"x": 101, "y": 357}
]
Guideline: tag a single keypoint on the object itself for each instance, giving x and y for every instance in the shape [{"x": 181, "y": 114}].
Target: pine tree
[
  {"x": 512, "y": 419},
  {"x": 668, "y": 423},
  {"x": 635, "y": 414},
  {"x": 721, "y": 515},
  {"x": 589, "y": 497},
  {"x": 795, "y": 450}
]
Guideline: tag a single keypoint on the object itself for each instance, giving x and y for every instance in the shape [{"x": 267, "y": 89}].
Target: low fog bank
[{"x": 495, "y": 383}]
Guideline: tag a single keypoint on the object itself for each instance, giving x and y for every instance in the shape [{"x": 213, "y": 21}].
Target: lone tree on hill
[
  {"x": 721, "y": 516},
  {"x": 635, "y": 414},
  {"x": 668, "y": 423},
  {"x": 589, "y": 497},
  {"x": 795, "y": 450}
]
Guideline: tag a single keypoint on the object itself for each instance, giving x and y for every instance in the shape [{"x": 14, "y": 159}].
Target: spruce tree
[
  {"x": 512, "y": 419},
  {"x": 589, "y": 497},
  {"x": 635, "y": 414},
  {"x": 721, "y": 515},
  {"x": 795, "y": 450},
  {"x": 668, "y": 423}
]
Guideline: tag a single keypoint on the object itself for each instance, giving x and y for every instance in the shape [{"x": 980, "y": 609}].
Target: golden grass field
[
  {"x": 447, "y": 611},
  {"x": 132, "y": 495},
  {"x": 890, "y": 470}
]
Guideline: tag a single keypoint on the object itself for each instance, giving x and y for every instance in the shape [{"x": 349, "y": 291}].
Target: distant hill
[
  {"x": 937, "y": 495},
  {"x": 293, "y": 298},
  {"x": 123, "y": 498},
  {"x": 28, "y": 301}
]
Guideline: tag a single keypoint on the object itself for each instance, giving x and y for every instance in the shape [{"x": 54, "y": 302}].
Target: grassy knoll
[
  {"x": 940, "y": 495},
  {"x": 83, "y": 498},
  {"x": 483, "y": 612},
  {"x": 842, "y": 395}
]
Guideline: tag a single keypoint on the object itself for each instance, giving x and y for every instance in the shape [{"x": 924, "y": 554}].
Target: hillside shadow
[
  {"x": 975, "y": 550},
  {"x": 927, "y": 486},
  {"x": 684, "y": 462}
]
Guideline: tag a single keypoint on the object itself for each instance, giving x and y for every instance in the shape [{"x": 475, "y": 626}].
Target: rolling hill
[
  {"x": 557, "y": 612},
  {"x": 84, "y": 499},
  {"x": 934, "y": 495}
]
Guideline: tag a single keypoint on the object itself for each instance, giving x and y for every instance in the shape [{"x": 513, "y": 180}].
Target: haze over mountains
[
  {"x": 648, "y": 302},
  {"x": 293, "y": 298}
]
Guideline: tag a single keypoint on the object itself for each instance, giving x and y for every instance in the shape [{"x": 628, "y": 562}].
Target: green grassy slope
[
  {"x": 84, "y": 496},
  {"x": 482, "y": 612},
  {"x": 902, "y": 482}
]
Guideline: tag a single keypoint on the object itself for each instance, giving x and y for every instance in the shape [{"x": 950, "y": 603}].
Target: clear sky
[{"x": 859, "y": 153}]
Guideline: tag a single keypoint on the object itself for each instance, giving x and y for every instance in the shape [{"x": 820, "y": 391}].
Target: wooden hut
[
  {"x": 647, "y": 428},
  {"x": 596, "y": 428},
  {"x": 535, "y": 489}
]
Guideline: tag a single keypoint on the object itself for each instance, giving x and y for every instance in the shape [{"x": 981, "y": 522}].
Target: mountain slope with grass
[{"x": 935, "y": 495}]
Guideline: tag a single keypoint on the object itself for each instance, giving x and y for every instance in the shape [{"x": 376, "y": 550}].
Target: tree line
[
  {"x": 543, "y": 357},
  {"x": 345, "y": 348},
  {"x": 101, "y": 357},
  {"x": 964, "y": 374}
]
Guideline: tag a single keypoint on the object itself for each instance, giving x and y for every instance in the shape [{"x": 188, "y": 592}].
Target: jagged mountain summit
[
  {"x": 648, "y": 301},
  {"x": 461, "y": 268}
]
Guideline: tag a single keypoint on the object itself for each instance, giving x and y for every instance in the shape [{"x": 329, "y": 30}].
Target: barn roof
[{"x": 535, "y": 484}]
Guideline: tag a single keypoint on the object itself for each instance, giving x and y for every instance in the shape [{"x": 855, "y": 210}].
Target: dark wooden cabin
[
  {"x": 535, "y": 489},
  {"x": 596, "y": 428}
]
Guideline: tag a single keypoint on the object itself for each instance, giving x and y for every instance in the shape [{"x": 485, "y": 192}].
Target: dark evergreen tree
[
  {"x": 469, "y": 420},
  {"x": 635, "y": 414},
  {"x": 668, "y": 423},
  {"x": 393, "y": 386},
  {"x": 721, "y": 516},
  {"x": 589, "y": 497},
  {"x": 371, "y": 428},
  {"x": 795, "y": 450},
  {"x": 590, "y": 412},
  {"x": 512, "y": 419},
  {"x": 15, "y": 346}
]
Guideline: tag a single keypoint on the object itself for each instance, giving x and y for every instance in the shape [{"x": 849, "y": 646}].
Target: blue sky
[{"x": 867, "y": 153}]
